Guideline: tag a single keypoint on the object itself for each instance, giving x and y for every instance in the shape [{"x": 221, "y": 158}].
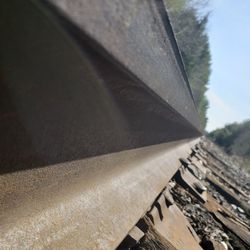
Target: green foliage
[
  {"x": 234, "y": 138},
  {"x": 246, "y": 164},
  {"x": 190, "y": 31},
  {"x": 176, "y": 5}
]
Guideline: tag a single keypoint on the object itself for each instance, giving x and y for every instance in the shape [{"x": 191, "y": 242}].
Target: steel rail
[
  {"x": 86, "y": 204},
  {"x": 95, "y": 114}
]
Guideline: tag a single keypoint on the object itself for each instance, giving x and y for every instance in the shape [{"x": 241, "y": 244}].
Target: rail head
[{"x": 96, "y": 115}]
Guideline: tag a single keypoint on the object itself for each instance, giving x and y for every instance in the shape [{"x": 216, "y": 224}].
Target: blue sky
[{"x": 229, "y": 37}]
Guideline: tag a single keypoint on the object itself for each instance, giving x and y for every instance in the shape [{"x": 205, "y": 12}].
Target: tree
[
  {"x": 189, "y": 24},
  {"x": 234, "y": 138}
]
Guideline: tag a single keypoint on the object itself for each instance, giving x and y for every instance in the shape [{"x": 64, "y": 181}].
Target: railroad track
[
  {"x": 186, "y": 216},
  {"x": 96, "y": 113}
]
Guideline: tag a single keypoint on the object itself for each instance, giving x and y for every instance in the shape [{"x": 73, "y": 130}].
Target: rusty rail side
[{"x": 95, "y": 115}]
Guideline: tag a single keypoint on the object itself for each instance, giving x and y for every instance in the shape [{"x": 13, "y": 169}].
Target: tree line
[
  {"x": 189, "y": 19},
  {"x": 235, "y": 140}
]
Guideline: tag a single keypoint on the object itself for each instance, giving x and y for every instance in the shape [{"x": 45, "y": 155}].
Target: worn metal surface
[
  {"x": 228, "y": 194},
  {"x": 227, "y": 182},
  {"x": 133, "y": 237},
  {"x": 138, "y": 34},
  {"x": 85, "y": 204},
  {"x": 198, "y": 164},
  {"x": 188, "y": 181},
  {"x": 62, "y": 99},
  {"x": 214, "y": 207},
  {"x": 242, "y": 232},
  {"x": 75, "y": 88},
  {"x": 169, "y": 221}
]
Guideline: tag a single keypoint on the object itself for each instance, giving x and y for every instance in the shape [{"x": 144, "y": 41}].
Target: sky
[{"x": 229, "y": 85}]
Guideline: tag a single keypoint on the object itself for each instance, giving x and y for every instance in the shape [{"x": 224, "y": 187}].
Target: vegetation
[
  {"x": 189, "y": 20},
  {"x": 189, "y": 24},
  {"x": 235, "y": 140}
]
